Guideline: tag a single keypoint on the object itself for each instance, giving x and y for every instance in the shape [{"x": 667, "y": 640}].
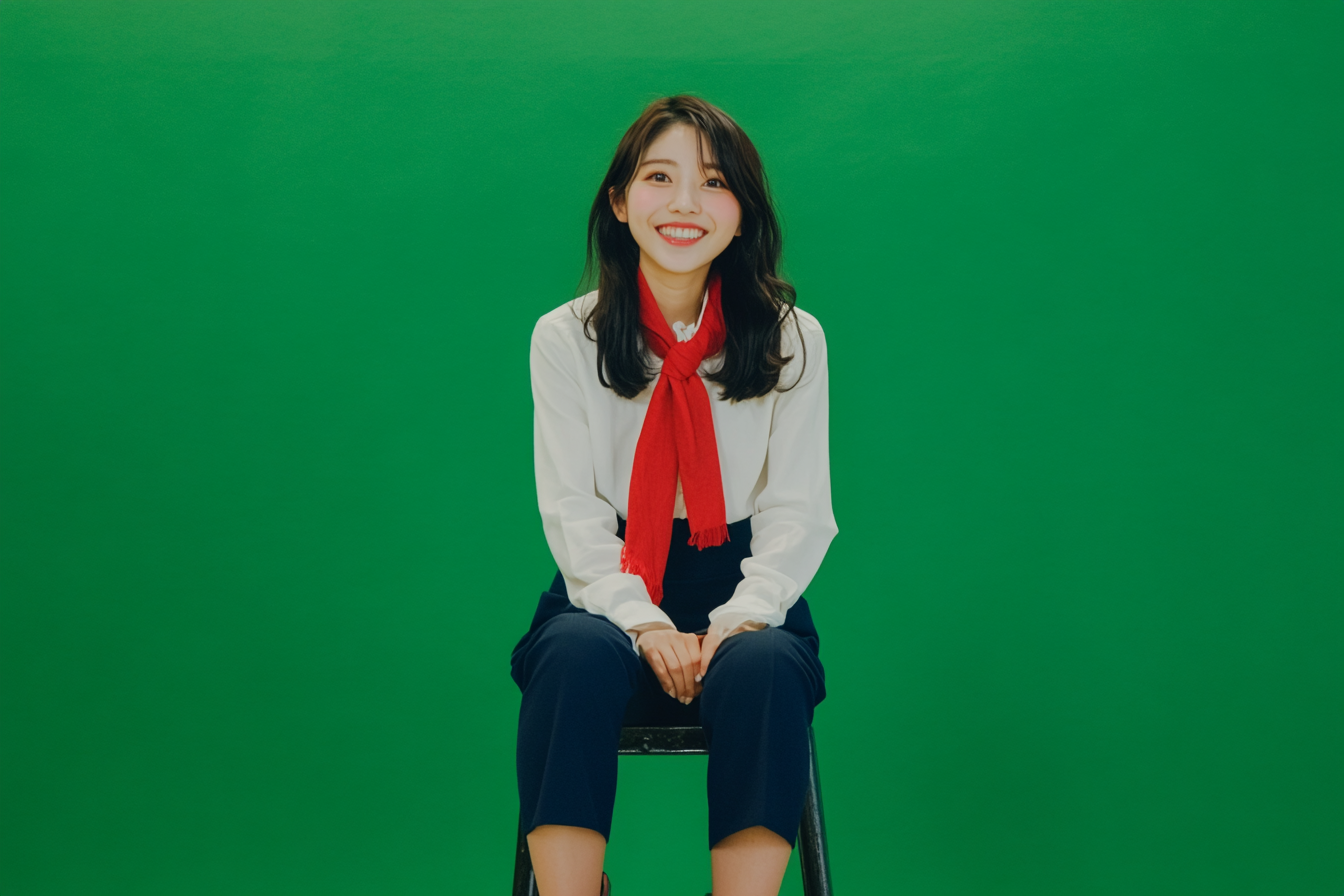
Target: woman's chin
[{"x": 676, "y": 261}]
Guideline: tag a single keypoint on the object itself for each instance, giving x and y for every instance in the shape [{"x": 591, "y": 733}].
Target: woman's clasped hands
[{"x": 679, "y": 659}]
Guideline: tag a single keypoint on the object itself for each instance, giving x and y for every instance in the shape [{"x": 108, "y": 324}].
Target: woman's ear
[{"x": 617, "y": 204}]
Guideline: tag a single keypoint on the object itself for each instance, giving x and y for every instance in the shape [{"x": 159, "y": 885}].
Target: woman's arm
[
  {"x": 792, "y": 524},
  {"x": 580, "y": 526}
]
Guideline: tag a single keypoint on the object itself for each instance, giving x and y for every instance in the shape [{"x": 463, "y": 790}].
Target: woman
[{"x": 684, "y": 485}]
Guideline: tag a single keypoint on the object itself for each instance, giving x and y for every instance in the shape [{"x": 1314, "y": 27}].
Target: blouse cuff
[
  {"x": 627, "y": 607},
  {"x": 742, "y": 608},
  {"x": 629, "y": 614}
]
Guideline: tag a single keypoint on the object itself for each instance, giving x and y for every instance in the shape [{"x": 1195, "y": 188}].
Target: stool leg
[
  {"x": 812, "y": 853},
  {"x": 524, "y": 881}
]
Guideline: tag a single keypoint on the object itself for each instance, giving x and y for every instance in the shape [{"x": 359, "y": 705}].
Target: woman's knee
[
  {"x": 758, "y": 649},
  {"x": 764, "y": 660},
  {"x": 581, "y": 643}
]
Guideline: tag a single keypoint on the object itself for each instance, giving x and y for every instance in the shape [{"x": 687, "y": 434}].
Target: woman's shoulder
[
  {"x": 803, "y": 342},
  {"x": 804, "y": 321},
  {"x": 564, "y": 324}
]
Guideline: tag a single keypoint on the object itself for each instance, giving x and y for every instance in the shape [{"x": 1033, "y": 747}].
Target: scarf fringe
[
  {"x": 632, "y": 565},
  {"x": 709, "y": 538}
]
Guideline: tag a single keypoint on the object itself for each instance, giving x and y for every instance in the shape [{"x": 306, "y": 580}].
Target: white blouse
[{"x": 773, "y": 454}]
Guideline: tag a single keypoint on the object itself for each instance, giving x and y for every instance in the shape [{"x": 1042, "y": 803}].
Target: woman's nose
[{"x": 684, "y": 200}]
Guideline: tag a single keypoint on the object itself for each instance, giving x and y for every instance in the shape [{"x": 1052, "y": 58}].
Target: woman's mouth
[{"x": 680, "y": 234}]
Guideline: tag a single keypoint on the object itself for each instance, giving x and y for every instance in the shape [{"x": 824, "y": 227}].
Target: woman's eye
[
  {"x": 658, "y": 174},
  {"x": 714, "y": 182}
]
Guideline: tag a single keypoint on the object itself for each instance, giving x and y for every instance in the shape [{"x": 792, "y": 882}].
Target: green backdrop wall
[{"x": 267, "y": 278}]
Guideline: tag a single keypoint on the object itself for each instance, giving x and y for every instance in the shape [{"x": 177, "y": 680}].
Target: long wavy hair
[{"x": 756, "y": 300}]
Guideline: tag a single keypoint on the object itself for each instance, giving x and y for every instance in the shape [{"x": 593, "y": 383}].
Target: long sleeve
[
  {"x": 580, "y": 525},
  {"x": 792, "y": 522}
]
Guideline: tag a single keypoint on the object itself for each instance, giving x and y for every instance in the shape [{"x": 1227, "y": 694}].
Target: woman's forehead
[{"x": 656, "y": 154}]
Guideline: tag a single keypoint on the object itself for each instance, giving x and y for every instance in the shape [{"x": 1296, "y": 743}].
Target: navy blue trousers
[{"x": 582, "y": 681}]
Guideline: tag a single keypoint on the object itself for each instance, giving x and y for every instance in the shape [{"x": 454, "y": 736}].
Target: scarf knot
[
  {"x": 682, "y": 361},
  {"x": 676, "y": 443}
]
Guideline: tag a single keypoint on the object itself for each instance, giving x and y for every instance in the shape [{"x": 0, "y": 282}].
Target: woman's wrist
[
  {"x": 643, "y": 627},
  {"x": 730, "y": 624},
  {"x": 636, "y": 630}
]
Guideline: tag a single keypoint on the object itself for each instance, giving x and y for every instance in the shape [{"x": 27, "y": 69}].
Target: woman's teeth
[{"x": 682, "y": 233}]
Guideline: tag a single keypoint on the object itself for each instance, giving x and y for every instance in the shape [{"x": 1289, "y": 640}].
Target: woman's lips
[{"x": 683, "y": 235}]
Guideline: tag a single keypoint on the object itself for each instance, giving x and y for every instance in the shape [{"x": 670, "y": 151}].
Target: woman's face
[{"x": 681, "y": 216}]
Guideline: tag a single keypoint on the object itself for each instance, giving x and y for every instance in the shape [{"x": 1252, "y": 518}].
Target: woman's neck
[{"x": 678, "y": 295}]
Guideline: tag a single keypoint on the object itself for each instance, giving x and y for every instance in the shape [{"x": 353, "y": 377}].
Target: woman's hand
[
  {"x": 717, "y": 636},
  {"x": 675, "y": 658}
]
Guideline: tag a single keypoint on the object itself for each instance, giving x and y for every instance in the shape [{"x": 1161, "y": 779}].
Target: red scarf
[{"x": 677, "y": 438}]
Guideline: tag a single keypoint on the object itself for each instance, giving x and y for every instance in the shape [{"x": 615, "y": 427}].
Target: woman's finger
[
  {"x": 699, "y": 684},
  {"x": 692, "y": 667},
  {"x": 708, "y": 648},
  {"x": 693, "y": 650},
  {"x": 659, "y": 669},
  {"x": 683, "y": 676}
]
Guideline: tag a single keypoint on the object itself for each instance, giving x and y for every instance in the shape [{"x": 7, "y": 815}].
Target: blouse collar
[{"x": 685, "y": 332}]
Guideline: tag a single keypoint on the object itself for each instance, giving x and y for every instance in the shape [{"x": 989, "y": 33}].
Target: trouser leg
[
  {"x": 756, "y": 709},
  {"x": 577, "y": 676}
]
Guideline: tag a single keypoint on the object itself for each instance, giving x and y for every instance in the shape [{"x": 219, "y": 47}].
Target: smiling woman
[
  {"x": 684, "y": 528},
  {"x": 683, "y": 199},
  {"x": 686, "y": 191}
]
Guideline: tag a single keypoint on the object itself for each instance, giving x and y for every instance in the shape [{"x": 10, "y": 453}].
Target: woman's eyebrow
[{"x": 708, "y": 167}]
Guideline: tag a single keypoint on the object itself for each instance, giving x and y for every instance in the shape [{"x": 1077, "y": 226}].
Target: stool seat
[
  {"x": 813, "y": 854},
  {"x": 663, "y": 742}
]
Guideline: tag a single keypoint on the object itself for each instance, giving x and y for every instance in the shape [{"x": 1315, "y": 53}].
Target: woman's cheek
[
  {"x": 725, "y": 211},
  {"x": 642, "y": 203}
]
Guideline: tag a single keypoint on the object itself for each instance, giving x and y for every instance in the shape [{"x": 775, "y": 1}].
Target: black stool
[{"x": 812, "y": 854}]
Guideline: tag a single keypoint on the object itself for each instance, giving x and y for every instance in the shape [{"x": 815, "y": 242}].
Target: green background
[{"x": 267, "y": 278}]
